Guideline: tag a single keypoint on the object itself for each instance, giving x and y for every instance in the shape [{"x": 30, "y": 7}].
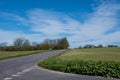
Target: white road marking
[
  {"x": 19, "y": 73},
  {"x": 7, "y": 78},
  {"x": 26, "y": 70},
  {"x": 15, "y": 75}
]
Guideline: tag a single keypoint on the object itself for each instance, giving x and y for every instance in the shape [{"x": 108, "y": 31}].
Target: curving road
[{"x": 25, "y": 68}]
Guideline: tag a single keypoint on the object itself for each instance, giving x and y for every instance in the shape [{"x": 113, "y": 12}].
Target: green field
[
  {"x": 12, "y": 54},
  {"x": 93, "y": 61},
  {"x": 95, "y": 54}
]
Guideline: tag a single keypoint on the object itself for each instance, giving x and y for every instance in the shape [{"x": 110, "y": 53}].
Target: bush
[{"x": 96, "y": 68}]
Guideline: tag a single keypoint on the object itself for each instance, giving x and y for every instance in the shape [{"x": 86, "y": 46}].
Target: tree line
[
  {"x": 98, "y": 46},
  {"x": 22, "y": 44}
]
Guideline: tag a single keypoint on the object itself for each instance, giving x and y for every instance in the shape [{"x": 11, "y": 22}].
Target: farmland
[
  {"x": 95, "y": 54},
  {"x": 12, "y": 54},
  {"x": 92, "y": 61}
]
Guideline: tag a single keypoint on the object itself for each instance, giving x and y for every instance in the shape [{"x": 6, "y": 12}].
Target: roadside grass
[
  {"x": 13, "y": 54},
  {"x": 95, "y": 61}
]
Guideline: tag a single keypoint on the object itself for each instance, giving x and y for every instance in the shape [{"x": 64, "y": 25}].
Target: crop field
[
  {"x": 103, "y": 62},
  {"x": 95, "y": 54},
  {"x": 12, "y": 54}
]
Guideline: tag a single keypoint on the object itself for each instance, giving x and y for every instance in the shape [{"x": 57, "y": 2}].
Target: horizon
[{"x": 81, "y": 21}]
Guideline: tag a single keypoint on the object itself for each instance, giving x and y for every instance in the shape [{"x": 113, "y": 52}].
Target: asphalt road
[{"x": 25, "y": 68}]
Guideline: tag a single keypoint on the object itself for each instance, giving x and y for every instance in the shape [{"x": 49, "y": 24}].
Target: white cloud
[
  {"x": 10, "y": 36},
  {"x": 52, "y": 23},
  {"x": 13, "y": 17},
  {"x": 97, "y": 29},
  {"x": 102, "y": 20}
]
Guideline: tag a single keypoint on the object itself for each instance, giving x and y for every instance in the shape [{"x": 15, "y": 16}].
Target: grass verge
[
  {"x": 13, "y": 54},
  {"x": 103, "y": 62}
]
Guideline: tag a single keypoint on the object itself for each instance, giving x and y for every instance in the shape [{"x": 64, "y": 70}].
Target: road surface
[{"x": 25, "y": 68}]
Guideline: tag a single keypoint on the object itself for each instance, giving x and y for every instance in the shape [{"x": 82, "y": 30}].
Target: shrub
[{"x": 96, "y": 68}]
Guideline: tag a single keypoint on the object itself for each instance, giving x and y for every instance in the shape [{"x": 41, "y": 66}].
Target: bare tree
[
  {"x": 26, "y": 42},
  {"x": 100, "y": 46},
  {"x": 19, "y": 42},
  {"x": 34, "y": 43},
  {"x": 3, "y": 44}
]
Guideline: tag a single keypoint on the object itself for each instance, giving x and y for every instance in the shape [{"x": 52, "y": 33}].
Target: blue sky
[{"x": 81, "y": 21}]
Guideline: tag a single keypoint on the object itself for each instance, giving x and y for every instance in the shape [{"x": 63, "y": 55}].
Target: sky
[{"x": 81, "y": 21}]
